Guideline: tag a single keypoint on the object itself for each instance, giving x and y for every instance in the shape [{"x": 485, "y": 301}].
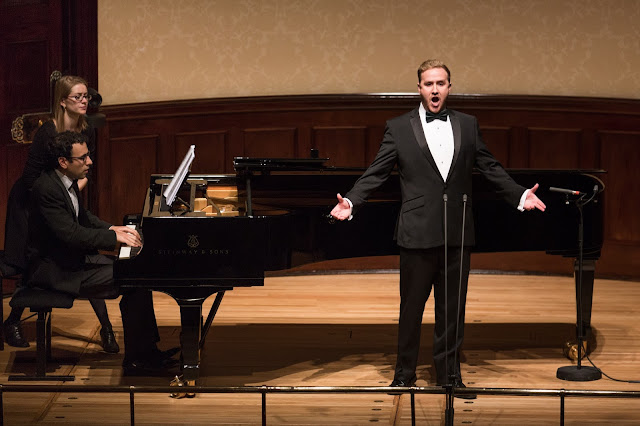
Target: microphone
[{"x": 564, "y": 191}]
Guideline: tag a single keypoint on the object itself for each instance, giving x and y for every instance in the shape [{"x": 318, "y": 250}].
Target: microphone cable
[{"x": 606, "y": 375}]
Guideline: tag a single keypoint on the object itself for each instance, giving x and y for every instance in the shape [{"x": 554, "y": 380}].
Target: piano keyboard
[{"x": 127, "y": 252}]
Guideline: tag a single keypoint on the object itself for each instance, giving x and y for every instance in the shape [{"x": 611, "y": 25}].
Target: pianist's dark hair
[
  {"x": 62, "y": 144},
  {"x": 433, "y": 63}
]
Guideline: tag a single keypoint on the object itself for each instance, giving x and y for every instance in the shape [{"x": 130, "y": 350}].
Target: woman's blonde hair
[{"x": 62, "y": 91}]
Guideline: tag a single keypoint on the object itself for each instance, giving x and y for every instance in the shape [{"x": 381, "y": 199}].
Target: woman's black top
[{"x": 38, "y": 152}]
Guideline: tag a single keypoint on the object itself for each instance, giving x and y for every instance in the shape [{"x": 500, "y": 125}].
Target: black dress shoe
[
  {"x": 460, "y": 385},
  {"x": 13, "y": 335},
  {"x": 109, "y": 343},
  {"x": 169, "y": 353},
  {"x": 397, "y": 382},
  {"x": 148, "y": 367}
]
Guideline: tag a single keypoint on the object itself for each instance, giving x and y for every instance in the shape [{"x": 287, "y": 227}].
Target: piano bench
[{"x": 41, "y": 302}]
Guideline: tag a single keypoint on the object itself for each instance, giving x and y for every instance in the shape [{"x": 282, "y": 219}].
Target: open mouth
[{"x": 435, "y": 102}]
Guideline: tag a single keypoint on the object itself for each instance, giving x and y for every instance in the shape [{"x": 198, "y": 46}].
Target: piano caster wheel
[
  {"x": 191, "y": 383},
  {"x": 570, "y": 350},
  {"x": 177, "y": 381},
  {"x": 180, "y": 382}
]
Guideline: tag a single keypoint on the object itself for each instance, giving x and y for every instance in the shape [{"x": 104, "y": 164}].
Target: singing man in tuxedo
[
  {"x": 435, "y": 151},
  {"x": 63, "y": 244}
]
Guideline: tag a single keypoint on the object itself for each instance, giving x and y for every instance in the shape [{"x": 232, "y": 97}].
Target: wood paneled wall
[
  {"x": 523, "y": 132},
  {"x": 36, "y": 38}
]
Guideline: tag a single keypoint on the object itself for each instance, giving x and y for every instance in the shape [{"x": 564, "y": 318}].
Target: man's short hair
[
  {"x": 433, "y": 63},
  {"x": 62, "y": 144}
]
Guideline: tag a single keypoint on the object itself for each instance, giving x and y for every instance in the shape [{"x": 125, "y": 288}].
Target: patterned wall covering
[{"x": 152, "y": 50}]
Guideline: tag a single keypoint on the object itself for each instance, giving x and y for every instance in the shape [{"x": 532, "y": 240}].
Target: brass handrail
[{"x": 264, "y": 390}]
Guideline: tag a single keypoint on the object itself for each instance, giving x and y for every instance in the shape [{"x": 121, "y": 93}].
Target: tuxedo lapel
[
  {"x": 418, "y": 132},
  {"x": 457, "y": 139}
]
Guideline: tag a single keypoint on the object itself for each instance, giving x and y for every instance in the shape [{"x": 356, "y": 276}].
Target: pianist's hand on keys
[{"x": 128, "y": 237}]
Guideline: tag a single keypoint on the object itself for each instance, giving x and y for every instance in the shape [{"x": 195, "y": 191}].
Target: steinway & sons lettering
[{"x": 193, "y": 252}]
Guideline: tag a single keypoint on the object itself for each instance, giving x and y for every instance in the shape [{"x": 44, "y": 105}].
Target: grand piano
[{"x": 225, "y": 231}]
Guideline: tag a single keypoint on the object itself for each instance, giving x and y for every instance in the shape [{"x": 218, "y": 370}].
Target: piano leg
[
  {"x": 191, "y": 321},
  {"x": 210, "y": 317}
]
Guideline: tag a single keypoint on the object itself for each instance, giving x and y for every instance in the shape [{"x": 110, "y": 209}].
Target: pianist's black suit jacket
[
  {"x": 420, "y": 222},
  {"x": 58, "y": 240}
]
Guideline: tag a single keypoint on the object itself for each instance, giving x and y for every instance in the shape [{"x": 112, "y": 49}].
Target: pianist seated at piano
[{"x": 62, "y": 249}]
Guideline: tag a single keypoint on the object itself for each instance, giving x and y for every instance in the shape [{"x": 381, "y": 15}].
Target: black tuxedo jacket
[
  {"x": 58, "y": 240},
  {"x": 420, "y": 224}
]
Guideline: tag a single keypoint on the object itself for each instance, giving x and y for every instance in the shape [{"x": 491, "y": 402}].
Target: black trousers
[
  {"x": 136, "y": 307},
  {"x": 139, "y": 324},
  {"x": 96, "y": 278},
  {"x": 420, "y": 270}
]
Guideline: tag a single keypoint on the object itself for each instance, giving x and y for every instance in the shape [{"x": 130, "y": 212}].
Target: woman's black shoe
[
  {"x": 13, "y": 335},
  {"x": 109, "y": 343}
]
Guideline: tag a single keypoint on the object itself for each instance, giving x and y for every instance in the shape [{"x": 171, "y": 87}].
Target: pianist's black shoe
[
  {"x": 398, "y": 382},
  {"x": 13, "y": 335},
  {"x": 169, "y": 353},
  {"x": 108, "y": 341},
  {"x": 148, "y": 367}
]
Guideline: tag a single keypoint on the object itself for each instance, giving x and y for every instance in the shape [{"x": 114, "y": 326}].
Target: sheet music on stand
[{"x": 178, "y": 179}]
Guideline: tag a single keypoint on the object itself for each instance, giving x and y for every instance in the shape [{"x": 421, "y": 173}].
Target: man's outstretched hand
[
  {"x": 342, "y": 210},
  {"x": 532, "y": 201}
]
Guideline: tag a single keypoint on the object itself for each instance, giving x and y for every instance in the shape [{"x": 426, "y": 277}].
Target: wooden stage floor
[{"x": 340, "y": 330}]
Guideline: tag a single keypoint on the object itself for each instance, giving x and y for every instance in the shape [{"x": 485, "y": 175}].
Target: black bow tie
[{"x": 442, "y": 115}]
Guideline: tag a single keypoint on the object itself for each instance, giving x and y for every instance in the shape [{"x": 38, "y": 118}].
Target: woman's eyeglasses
[{"x": 78, "y": 98}]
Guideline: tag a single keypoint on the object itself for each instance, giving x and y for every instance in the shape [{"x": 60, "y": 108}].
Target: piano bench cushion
[{"x": 38, "y": 299}]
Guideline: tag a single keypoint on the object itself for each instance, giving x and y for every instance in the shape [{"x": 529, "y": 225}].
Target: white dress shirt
[{"x": 439, "y": 135}]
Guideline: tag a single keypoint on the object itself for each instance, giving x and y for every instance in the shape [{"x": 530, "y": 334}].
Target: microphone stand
[
  {"x": 464, "y": 211},
  {"x": 448, "y": 412},
  {"x": 579, "y": 373}
]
